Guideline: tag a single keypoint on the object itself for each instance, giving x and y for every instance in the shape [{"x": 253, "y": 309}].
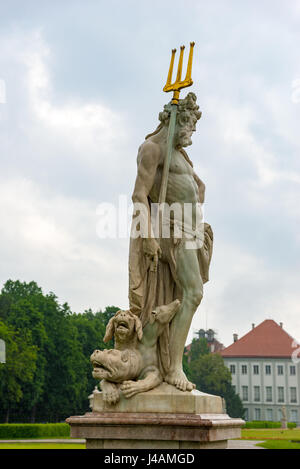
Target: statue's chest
[{"x": 179, "y": 165}]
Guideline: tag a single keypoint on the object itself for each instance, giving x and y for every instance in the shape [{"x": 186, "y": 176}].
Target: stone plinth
[
  {"x": 164, "y": 399},
  {"x": 163, "y": 418}
]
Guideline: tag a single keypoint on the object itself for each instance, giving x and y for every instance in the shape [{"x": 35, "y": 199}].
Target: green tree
[
  {"x": 198, "y": 348},
  {"x": 210, "y": 375},
  {"x": 19, "y": 307},
  {"x": 19, "y": 369},
  {"x": 65, "y": 378},
  {"x": 59, "y": 381},
  {"x": 26, "y": 319},
  {"x": 52, "y": 375}
]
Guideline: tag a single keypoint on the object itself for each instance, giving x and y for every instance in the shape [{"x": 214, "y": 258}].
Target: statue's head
[{"x": 187, "y": 116}]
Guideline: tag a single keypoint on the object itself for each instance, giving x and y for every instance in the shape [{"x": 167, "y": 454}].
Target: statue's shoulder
[{"x": 148, "y": 151}]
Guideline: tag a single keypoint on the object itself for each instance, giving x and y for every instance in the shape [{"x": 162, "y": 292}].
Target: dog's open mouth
[
  {"x": 100, "y": 367},
  {"x": 122, "y": 325}
]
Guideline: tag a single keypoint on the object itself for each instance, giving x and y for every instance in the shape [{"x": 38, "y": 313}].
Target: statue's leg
[{"x": 190, "y": 282}]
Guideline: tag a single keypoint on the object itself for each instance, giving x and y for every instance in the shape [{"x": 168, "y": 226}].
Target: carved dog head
[
  {"x": 116, "y": 365},
  {"x": 125, "y": 327}
]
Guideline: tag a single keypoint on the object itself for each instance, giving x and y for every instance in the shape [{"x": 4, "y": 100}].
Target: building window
[
  {"x": 269, "y": 394},
  {"x": 280, "y": 369},
  {"x": 269, "y": 415},
  {"x": 244, "y": 369},
  {"x": 245, "y": 393},
  {"x": 268, "y": 369},
  {"x": 292, "y": 370},
  {"x": 257, "y": 414},
  {"x": 234, "y": 388},
  {"x": 280, "y": 393},
  {"x": 294, "y": 415},
  {"x": 255, "y": 369},
  {"x": 232, "y": 369},
  {"x": 246, "y": 414},
  {"x": 293, "y": 394},
  {"x": 256, "y": 393}
]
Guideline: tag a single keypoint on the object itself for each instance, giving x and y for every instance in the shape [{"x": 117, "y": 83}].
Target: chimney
[
  {"x": 253, "y": 325},
  {"x": 281, "y": 324},
  {"x": 235, "y": 337}
]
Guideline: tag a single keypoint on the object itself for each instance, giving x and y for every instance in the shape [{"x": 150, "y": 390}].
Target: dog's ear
[
  {"x": 138, "y": 327},
  {"x": 109, "y": 332}
]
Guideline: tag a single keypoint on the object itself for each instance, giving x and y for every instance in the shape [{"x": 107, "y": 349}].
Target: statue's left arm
[{"x": 201, "y": 188}]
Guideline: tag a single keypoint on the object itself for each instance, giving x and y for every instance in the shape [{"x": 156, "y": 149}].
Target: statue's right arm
[
  {"x": 148, "y": 158},
  {"x": 148, "y": 161}
]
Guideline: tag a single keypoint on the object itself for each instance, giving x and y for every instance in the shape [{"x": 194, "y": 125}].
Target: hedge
[
  {"x": 267, "y": 424},
  {"x": 10, "y": 431}
]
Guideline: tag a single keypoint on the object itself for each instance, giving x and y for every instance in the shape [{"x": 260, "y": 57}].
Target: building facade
[{"x": 265, "y": 372}]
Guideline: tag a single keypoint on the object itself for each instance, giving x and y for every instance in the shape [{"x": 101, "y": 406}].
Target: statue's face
[{"x": 185, "y": 128}]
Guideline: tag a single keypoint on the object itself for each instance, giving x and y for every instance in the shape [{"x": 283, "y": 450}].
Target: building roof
[{"x": 268, "y": 339}]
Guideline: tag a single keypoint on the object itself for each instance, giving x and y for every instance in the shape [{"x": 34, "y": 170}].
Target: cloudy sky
[{"x": 80, "y": 87}]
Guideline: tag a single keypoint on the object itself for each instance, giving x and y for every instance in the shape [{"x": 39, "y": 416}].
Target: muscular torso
[{"x": 184, "y": 186}]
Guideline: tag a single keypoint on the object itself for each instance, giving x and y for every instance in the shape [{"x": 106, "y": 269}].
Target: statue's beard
[{"x": 183, "y": 138}]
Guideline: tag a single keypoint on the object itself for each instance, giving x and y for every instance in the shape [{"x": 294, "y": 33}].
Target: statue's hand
[{"x": 152, "y": 250}]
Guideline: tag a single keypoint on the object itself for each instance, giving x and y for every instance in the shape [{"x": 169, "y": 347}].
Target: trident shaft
[{"x": 175, "y": 87}]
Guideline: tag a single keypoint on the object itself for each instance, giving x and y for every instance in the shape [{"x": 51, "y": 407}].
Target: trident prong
[{"x": 178, "y": 83}]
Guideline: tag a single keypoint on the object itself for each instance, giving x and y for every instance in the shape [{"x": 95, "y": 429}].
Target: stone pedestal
[{"x": 163, "y": 418}]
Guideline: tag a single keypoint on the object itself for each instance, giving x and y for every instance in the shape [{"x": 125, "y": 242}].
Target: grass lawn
[
  {"x": 35, "y": 445},
  {"x": 279, "y": 444},
  {"x": 276, "y": 438},
  {"x": 270, "y": 433}
]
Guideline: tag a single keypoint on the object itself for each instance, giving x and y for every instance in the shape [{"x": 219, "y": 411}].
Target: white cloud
[
  {"x": 243, "y": 289},
  {"x": 52, "y": 239},
  {"x": 88, "y": 128},
  {"x": 235, "y": 129}
]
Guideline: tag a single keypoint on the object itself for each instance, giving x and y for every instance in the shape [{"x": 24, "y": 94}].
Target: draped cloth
[{"x": 148, "y": 289}]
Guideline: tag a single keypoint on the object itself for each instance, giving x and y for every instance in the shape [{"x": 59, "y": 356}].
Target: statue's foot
[
  {"x": 130, "y": 388},
  {"x": 180, "y": 381}
]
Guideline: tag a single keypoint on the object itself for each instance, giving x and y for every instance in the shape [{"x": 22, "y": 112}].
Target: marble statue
[{"x": 169, "y": 257}]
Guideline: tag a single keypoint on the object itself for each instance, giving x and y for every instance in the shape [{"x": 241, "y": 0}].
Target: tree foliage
[
  {"x": 47, "y": 374},
  {"x": 209, "y": 373}
]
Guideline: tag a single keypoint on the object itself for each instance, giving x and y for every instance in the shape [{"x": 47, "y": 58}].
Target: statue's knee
[{"x": 195, "y": 297}]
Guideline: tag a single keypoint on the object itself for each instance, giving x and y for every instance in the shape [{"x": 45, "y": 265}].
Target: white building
[{"x": 265, "y": 370}]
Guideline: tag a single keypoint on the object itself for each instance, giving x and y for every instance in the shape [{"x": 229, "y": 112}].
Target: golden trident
[
  {"x": 176, "y": 87},
  {"x": 178, "y": 84}
]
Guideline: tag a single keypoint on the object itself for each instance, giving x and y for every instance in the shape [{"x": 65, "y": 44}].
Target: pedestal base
[
  {"x": 163, "y": 418},
  {"x": 154, "y": 431}
]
